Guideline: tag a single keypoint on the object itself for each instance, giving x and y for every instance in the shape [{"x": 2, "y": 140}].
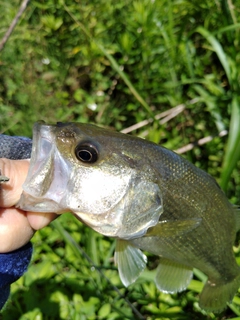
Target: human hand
[{"x": 17, "y": 226}]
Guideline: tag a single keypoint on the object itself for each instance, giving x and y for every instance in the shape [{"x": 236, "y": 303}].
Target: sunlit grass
[{"x": 120, "y": 64}]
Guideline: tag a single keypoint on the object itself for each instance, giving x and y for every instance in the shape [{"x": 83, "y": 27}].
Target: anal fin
[
  {"x": 131, "y": 261},
  {"x": 172, "y": 277}
]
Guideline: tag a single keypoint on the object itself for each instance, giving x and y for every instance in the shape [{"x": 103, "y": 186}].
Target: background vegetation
[{"x": 116, "y": 64}]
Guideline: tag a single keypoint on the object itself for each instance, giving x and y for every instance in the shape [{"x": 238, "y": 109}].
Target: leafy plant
[{"x": 120, "y": 64}]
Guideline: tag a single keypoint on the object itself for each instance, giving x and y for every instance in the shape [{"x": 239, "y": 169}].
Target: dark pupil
[{"x": 86, "y": 153}]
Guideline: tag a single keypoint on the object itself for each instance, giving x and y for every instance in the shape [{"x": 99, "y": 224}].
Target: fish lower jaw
[{"x": 31, "y": 203}]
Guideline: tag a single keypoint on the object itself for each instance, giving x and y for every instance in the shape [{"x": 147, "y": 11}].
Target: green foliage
[{"x": 117, "y": 63}]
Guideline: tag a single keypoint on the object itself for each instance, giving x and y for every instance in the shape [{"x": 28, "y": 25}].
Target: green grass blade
[
  {"x": 114, "y": 64},
  {"x": 124, "y": 77},
  {"x": 231, "y": 27},
  {"x": 216, "y": 46},
  {"x": 232, "y": 154},
  {"x": 80, "y": 252}
]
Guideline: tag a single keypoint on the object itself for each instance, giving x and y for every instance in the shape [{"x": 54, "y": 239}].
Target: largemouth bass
[{"x": 145, "y": 196}]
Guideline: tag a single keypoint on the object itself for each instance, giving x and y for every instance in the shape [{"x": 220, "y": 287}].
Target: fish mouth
[
  {"x": 46, "y": 183},
  {"x": 104, "y": 196},
  {"x": 35, "y": 204}
]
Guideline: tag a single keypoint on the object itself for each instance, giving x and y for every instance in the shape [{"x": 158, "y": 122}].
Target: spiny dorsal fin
[{"x": 130, "y": 261}]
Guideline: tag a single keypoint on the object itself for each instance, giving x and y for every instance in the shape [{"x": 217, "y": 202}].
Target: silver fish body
[{"x": 146, "y": 196}]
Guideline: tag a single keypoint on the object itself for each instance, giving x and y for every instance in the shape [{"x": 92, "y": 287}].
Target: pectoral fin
[
  {"x": 172, "y": 277},
  {"x": 130, "y": 260},
  {"x": 173, "y": 228}
]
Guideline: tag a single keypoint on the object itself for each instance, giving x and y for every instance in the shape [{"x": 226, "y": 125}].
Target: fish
[{"x": 146, "y": 197}]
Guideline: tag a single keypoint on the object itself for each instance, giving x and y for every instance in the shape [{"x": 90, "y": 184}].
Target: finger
[
  {"x": 16, "y": 171},
  {"x": 39, "y": 220},
  {"x": 15, "y": 230}
]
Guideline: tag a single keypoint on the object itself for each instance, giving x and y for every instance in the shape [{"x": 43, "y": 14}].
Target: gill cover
[{"x": 90, "y": 180}]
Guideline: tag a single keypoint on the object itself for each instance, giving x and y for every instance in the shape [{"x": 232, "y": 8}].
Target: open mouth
[{"x": 46, "y": 183}]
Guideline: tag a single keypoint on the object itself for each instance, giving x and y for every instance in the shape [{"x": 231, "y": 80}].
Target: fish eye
[{"x": 86, "y": 152}]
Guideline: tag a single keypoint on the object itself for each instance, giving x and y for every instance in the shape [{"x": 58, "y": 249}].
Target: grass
[{"x": 120, "y": 64}]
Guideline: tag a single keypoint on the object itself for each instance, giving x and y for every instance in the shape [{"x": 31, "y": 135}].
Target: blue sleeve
[{"x": 12, "y": 266}]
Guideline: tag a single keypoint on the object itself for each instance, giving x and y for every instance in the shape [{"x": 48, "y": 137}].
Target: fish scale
[
  {"x": 149, "y": 198},
  {"x": 211, "y": 227}
]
